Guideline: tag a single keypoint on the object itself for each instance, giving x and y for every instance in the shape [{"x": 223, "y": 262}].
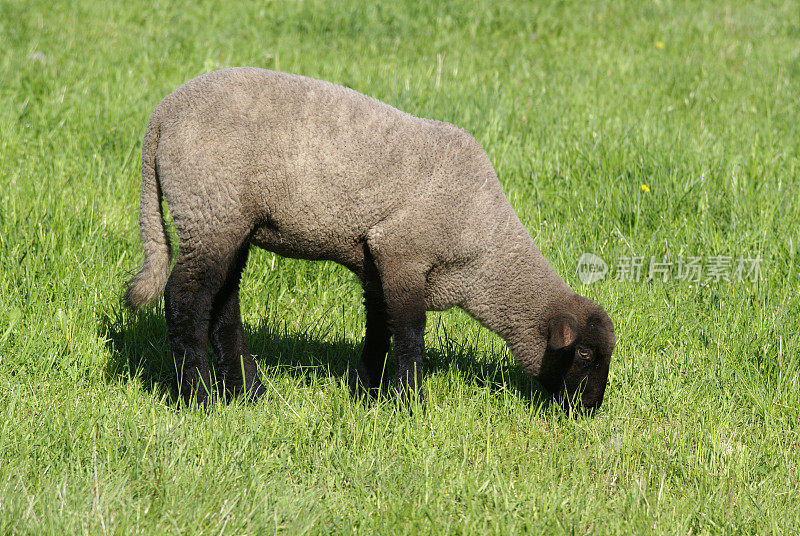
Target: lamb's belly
[{"x": 317, "y": 244}]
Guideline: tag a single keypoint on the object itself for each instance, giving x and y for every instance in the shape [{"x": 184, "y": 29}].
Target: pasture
[{"x": 667, "y": 130}]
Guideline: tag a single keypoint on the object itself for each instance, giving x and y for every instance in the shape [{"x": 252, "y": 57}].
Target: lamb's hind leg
[
  {"x": 235, "y": 367},
  {"x": 188, "y": 298},
  {"x": 376, "y": 339}
]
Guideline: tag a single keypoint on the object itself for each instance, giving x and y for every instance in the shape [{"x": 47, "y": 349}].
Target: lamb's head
[{"x": 580, "y": 340}]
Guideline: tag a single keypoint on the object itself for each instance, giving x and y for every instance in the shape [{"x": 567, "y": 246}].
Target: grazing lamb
[{"x": 312, "y": 170}]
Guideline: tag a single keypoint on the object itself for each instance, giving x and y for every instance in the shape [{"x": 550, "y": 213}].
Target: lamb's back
[{"x": 320, "y": 162}]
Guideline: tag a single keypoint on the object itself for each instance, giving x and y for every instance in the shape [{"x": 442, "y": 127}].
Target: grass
[{"x": 578, "y": 104}]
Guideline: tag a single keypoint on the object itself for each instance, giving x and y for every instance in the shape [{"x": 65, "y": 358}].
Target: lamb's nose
[{"x": 579, "y": 408}]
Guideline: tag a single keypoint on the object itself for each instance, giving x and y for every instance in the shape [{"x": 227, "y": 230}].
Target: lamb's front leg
[
  {"x": 371, "y": 366},
  {"x": 404, "y": 291}
]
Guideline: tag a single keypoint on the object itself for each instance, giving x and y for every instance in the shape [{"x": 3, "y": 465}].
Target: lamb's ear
[{"x": 562, "y": 332}]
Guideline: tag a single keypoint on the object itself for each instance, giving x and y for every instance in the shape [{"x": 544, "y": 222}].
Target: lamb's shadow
[
  {"x": 498, "y": 375},
  {"x": 139, "y": 349}
]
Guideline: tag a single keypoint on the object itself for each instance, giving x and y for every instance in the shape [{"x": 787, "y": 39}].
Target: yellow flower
[
  {"x": 645, "y": 188},
  {"x": 660, "y": 45}
]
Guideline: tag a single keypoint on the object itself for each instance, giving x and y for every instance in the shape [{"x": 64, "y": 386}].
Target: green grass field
[{"x": 578, "y": 105}]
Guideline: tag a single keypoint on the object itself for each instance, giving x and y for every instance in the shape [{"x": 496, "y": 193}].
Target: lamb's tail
[{"x": 146, "y": 286}]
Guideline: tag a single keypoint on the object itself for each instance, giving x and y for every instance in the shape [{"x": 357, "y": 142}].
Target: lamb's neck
[{"x": 512, "y": 295}]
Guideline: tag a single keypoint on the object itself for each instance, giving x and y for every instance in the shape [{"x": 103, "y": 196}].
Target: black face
[
  {"x": 575, "y": 364},
  {"x": 584, "y": 383}
]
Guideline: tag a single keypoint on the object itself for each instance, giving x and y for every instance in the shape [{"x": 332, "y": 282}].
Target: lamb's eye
[{"x": 584, "y": 353}]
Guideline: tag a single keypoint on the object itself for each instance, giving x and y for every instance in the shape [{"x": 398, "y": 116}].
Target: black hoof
[
  {"x": 235, "y": 390},
  {"x": 363, "y": 385}
]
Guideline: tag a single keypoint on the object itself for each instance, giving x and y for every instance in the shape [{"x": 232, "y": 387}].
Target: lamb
[{"x": 308, "y": 169}]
